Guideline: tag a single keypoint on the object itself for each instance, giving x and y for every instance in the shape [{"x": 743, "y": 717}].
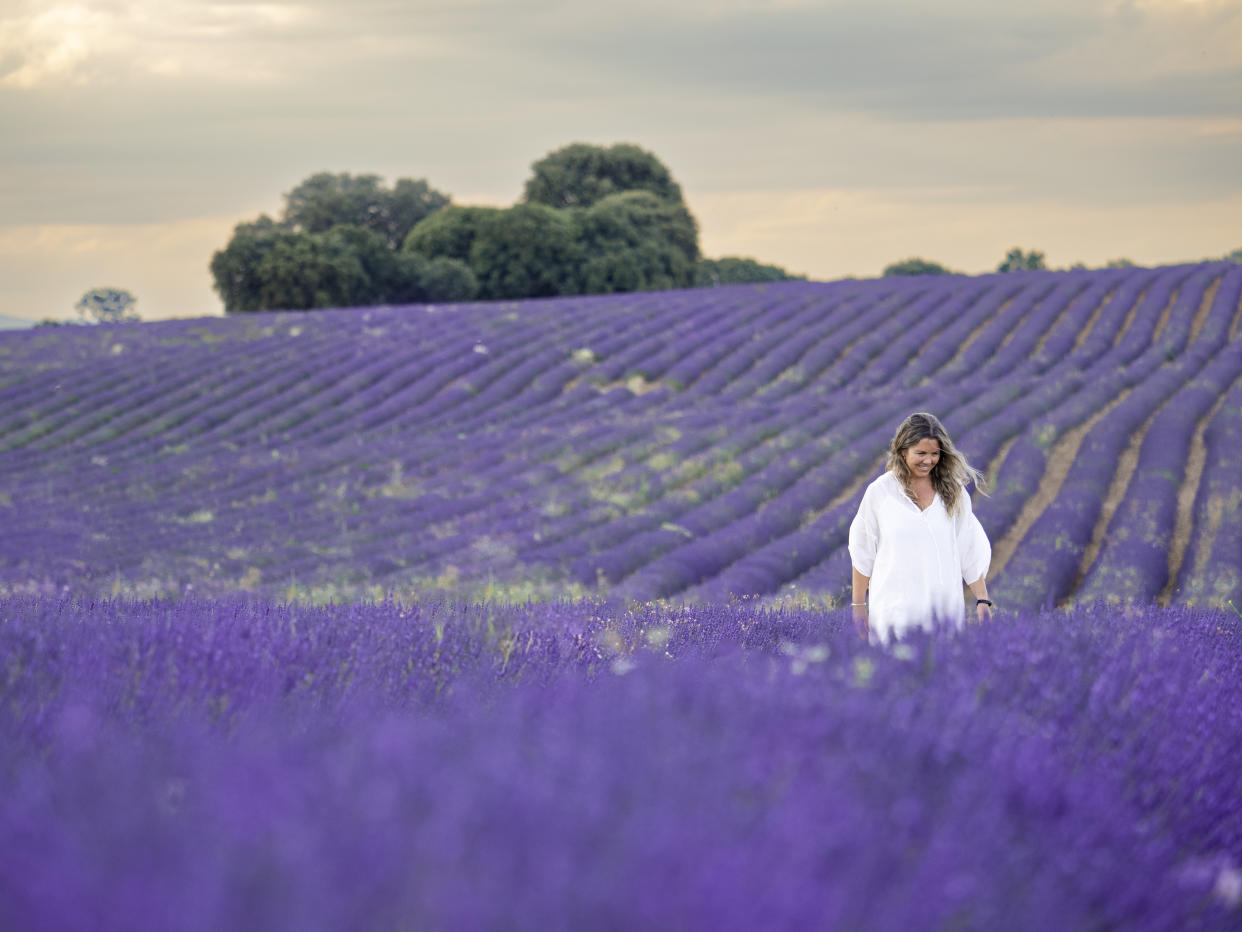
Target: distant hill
[
  {"x": 14, "y": 323},
  {"x": 685, "y": 444}
]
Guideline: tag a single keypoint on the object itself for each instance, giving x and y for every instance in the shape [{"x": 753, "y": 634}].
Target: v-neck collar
[{"x": 902, "y": 493}]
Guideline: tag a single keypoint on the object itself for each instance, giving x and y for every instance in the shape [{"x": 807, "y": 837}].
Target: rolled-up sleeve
[
  {"x": 972, "y": 542},
  {"x": 865, "y": 535}
]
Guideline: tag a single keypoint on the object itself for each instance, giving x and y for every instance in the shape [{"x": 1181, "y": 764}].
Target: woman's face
[{"x": 922, "y": 457}]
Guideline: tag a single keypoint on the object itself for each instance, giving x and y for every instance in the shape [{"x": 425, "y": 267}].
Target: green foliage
[
  {"x": 107, "y": 306},
  {"x": 634, "y": 241},
  {"x": 267, "y": 266},
  {"x": 235, "y": 268},
  {"x": 1018, "y": 261},
  {"x": 594, "y": 219},
  {"x": 916, "y": 266},
  {"x": 1119, "y": 264},
  {"x": 450, "y": 233},
  {"x": 579, "y": 175},
  {"x": 445, "y": 279},
  {"x": 1235, "y": 256},
  {"x": 336, "y": 246},
  {"x": 387, "y": 276},
  {"x": 327, "y": 199},
  {"x": 526, "y": 251},
  {"x": 738, "y": 270},
  {"x": 306, "y": 270}
]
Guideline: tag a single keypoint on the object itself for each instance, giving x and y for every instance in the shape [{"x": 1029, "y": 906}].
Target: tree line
[
  {"x": 1016, "y": 260},
  {"x": 591, "y": 220},
  {"x": 1019, "y": 260}
]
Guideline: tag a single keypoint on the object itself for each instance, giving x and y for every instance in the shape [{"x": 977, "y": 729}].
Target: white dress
[{"x": 917, "y": 559}]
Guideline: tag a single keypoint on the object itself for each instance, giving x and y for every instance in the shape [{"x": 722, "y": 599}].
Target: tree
[
  {"x": 738, "y": 270},
  {"x": 580, "y": 174},
  {"x": 1235, "y": 256},
  {"x": 1119, "y": 264},
  {"x": 634, "y": 241},
  {"x": 107, "y": 306},
  {"x": 629, "y": 241},
  {"x": 526, "y": 251},
  {"x": 327, "y": 199},
  {"x": 300, "y": 271},
  {"x": 1018, "y": 261},
  {"x": 445, "y": 279},
  {"x": 915, "y": 266},
  {"x": 450, "y": 233},
  {"x": 596, "y": 218},
  {"x": 235, "y": 268},
  {"x": 387, "y": 275},
  {"x": 267, "y": 266}
]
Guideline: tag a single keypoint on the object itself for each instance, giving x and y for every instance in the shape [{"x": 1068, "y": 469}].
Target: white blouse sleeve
[
  {"x": 865, "y": 534},
  {"x": 972, "y": 541}
]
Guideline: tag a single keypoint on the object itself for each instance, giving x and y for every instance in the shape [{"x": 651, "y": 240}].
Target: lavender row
[
  {"x": 1027, "y": 460},
  {"x": 772, "y": 508},
  {"x": 339, "y": 470},
  {"x": 1045, "y": 570},
  {"x": 810, "y": 524},
  {"x": 1210, "y": 571},
  {"x": 1134, "y": 563}
]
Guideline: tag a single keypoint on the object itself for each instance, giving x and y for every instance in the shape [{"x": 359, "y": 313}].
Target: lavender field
[
  {"x": 525, "y": 616},
  {"x": 582, "y": 765},
  {"x": 697, "y": 445}
]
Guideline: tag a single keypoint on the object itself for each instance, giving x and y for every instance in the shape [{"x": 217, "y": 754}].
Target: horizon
[{"x": 11, "y": 323}]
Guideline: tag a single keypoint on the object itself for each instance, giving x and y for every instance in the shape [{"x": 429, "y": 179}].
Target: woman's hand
[
  {"x": 858, "y": 589},
  {"x": 860, "y": 621},
  {"x": 983, "y": 605}
]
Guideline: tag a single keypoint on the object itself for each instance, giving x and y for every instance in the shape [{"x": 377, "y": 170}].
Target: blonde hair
[{"x": 951, "y": 471}]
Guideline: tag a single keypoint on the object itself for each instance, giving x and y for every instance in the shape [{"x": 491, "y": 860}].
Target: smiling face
[{"x": 922, "y": 457}]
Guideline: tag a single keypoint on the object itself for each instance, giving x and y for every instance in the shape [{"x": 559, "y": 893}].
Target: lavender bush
[{"x": 229, "y": 764}]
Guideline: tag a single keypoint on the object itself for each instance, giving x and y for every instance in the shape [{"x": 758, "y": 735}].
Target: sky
[{"x": 831, "y": 138}]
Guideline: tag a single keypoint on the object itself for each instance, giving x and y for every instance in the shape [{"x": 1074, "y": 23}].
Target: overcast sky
[{"x": 828, "y": 137}]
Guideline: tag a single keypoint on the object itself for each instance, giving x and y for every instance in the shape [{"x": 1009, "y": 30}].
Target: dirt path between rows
[
  {"x": 1060, "y": 459},
  {"x": 1126, "y": 465},
  {"x": 1186, "y": 496}
]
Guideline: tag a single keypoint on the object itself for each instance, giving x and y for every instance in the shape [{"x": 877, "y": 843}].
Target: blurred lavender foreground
[{"x": 584, "y": 765}]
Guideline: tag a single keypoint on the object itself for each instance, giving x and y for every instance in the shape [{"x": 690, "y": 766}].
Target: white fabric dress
[{"x": 917, "y": 559}]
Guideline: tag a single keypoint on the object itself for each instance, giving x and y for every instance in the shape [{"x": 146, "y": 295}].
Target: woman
[{"x": 915, "y": 538}]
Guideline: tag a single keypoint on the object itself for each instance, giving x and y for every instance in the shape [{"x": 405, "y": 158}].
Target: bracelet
[
  {"x": 987, "y": 602},
  {"x": 856, "y": 604}
]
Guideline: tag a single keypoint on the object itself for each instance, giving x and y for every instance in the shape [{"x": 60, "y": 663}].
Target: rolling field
[
  {"x": 523, "y": 616},
  {"x": 692, "y": 445}
]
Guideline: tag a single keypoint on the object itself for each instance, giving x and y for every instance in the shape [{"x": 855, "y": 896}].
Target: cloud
[
  {"x": 953, "y": 59},
  {"x": 72, "y": 44},
  {"x": 949, "y": 60}
]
